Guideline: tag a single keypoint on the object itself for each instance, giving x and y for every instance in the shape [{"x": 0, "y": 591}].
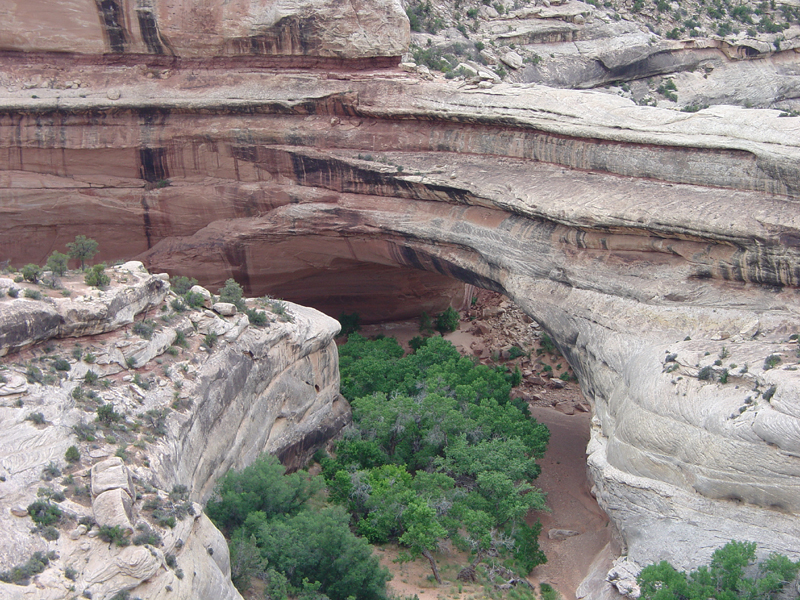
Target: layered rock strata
[
  {"x": 193, "y": 394},
  {"x": 318, "y": 29},
  {"x": 659, "y": 249}
]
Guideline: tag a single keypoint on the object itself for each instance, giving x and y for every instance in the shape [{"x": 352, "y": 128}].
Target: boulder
[
  {"x": 561, "y": 534},
  {"x": 111, "y": 474},
  {"x": 226, "y": 309},
  {"x": 512, "y": 59},
  {"x": 113, "y": 508}
]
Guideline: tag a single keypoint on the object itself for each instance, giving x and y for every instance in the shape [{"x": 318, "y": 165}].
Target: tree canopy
[
  {"x": 725, "y": 578},
  {"x": 437, "y": 450}
]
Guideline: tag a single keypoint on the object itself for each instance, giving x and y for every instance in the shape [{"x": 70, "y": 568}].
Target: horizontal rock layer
[
  {"x": 631, "y": 234},
  {"x": 177, "y": 28}
]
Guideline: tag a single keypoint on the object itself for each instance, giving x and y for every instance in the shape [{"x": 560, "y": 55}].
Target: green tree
[
  {"x": 318, "y": 546},
  {"x": 447, "y": 321},
  {"x": 436, "y": 428},
  {"x": 96, "y": 276},
  {"x": 82, "y": 249},
  {"x": 57, "y": 262},
  {"x": 31, "y": 272},
  {"x": 423, "y": 532},
  {"x": 261, "y": 487}
]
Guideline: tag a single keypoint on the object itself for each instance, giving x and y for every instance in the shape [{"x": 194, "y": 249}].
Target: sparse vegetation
[
  {"x": 232, "y": 293},
  {"x": 96, "y": 276},
  {"x": 181, "y": 285},
  {"x": 115, "y": 535}
]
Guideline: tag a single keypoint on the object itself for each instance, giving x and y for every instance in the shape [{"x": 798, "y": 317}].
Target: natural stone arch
[{"x": 612, "y": 245}]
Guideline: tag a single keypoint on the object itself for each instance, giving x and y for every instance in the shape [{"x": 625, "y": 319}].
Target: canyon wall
[
  {"x": 658, "y": 248},
  {"x": 191, "y": 396},
  {"x": 318, "y": 29}
]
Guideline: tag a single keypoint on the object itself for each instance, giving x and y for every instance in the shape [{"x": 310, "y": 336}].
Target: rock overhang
[{"x": 623, "y": 230}]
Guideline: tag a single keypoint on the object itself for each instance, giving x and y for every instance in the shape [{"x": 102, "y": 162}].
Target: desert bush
[
  {"x": 115, "y": 535},
  {"x": 350, "y": 323},
  {"x": 44, "y": 513},
  {"x": 144, "y": 329},
  {"x": 232, "y": 293},
  {"x": 72, "y": 455},
  {"x": 61, "y": 364},
  {"x": 181, "y": 284},
  {"x": 31, "y": 272},
  {"x": 194, "y": 299},
  {"x": 96, "y": 276},
  {"x": 36, "y": 418}
]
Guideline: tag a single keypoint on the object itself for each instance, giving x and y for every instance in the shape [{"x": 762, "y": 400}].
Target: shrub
[
  {"x": 107, "y": 415},
  {"x": 60, "y": 364},
  {"x": 85, "y": 432},
  {"x": 181, "y": 284},
  {"x": 278, "y": 307},
  {"x": 33, "y": 294},
  {"x": 51, "y": 471},
  {"x": 178, "y": 305},
  {"x": 547, "y": 344},
  {"x": 33, "y": 374},
  {"x": 180, "y": 339},
  {"x": 82, "y": 249},
  {"x": 115, "y": 534},
  {"x": 31, "y": 272},
  {"x": 417, "y": 342},
  {"x": 70, "y": 573},
  {"x": 425, "y": 324},
  {"x": 146, "y": 535},
  {"x": 771, "y": 361},
  {"x": 57, "y": 262},
  {"x": 142, "y": 383},
  {"x": 36, "y": 418},
  {"x": 210, "y": 339},
  {"x": 89, "y": 358},
  {"x": 49, "y": 533},
  {"x": 515, "y": 352},
  {"x": 256, "y": 317},
  {"x": 21, "y": 574},
  {"x": 706, "y": 373},
  {"x": 144, "y": 329},
  {"x": 194, "y": 299},
  {"x": 44, "y": 513},
  {"x": 91, "y": 377},
  {"x": 96, "y": 277},
  {"x": 231, "y": 292},
  {"x": 72, "y": 455}
]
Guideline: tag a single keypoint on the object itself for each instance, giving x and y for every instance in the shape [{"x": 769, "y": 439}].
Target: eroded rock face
[
  {"x": 181, "y": 28},
  {"x": 631, "y": 234},
  {"x": 156, "y": 425}
]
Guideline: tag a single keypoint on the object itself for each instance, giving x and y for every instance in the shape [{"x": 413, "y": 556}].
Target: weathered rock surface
[
  {"x": 177, "y": 28},
  {"x": 631, "y": 234},
  {"x": 24, "y": 322},
  {"x": 181, "y": 420}
]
